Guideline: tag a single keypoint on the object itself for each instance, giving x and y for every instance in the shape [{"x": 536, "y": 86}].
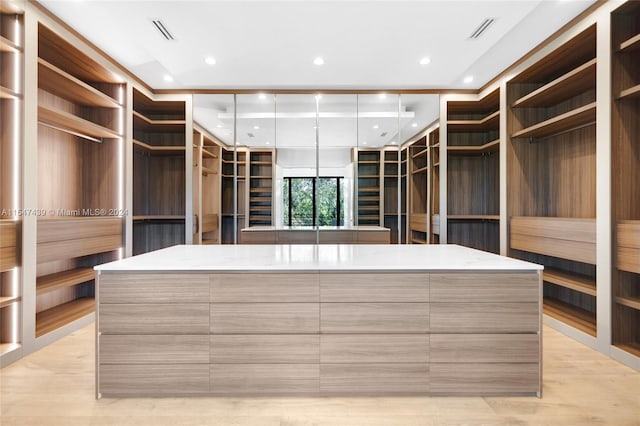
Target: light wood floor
[{"x": 55, "y": 386}]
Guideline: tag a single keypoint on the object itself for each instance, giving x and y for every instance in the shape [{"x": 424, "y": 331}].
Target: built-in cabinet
[
  {"x": 625, "y": 191},
  {"x": 434, "y": 186},
  {"x": 261, "y": 176},
  {"x": 395, "y": 193},
  {"x": 234, "y": 175},
  {"x": 206, "y": 187},
  {"x": 418, "y": 169},
  {"x": 369, "y": 187}
]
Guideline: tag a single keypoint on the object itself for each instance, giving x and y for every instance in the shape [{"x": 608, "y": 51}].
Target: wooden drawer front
[
  {"x": 265, "y": 318},
  {"x": 628, "y": 247},
  {"x": 337, "y": 237},
  {"x": 367, "y": 379},
  {"x": 155, "y": 319},
  {"x": 297, "y": 237},
  {"x": 368, "y": 348},
  {"x": 484, "y": 317},
  {"x": 476, "y": 348},
  {"x": 484, "y": 379},
  {"x": 163, "y": 349},
  {"x": 418, "y": 222},
  {"x": 50, "y": 230},
  {"x": 66, "y": 249},
  {"x": 374, "y": 237},
  {"x": 264, "y": 379},
  {"x": 242, "y": 288},
  {"x": 153, "y": 288},
  {"x": 491, "y": 287},
  {"x": 265, "y": 349},
  {"x": 258, "y": 237},
  {"x": 8, "y": 258},
  {"x": 374, "y": 287},
  {"x": 163, "y": 379},
  {"x": 374, "y": 317}
]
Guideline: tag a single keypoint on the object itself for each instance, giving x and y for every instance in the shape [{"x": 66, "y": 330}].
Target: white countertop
[
  {"x": 381, "y": 257},
  {"x": 359, "y": 228}
]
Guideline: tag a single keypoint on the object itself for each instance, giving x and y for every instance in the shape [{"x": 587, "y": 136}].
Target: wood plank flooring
[{"x": 55, "y": 386}]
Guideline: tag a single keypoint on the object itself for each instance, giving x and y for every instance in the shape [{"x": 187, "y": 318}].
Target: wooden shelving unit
[
  {"x": 11, "y": 140},
  {"x": 434, "y": 186},
  {"x": 394, "y": 170},
  {"x": 551, "y": 177},
  {"x": 261, "y": 169},
  {"x": 473, "y": 142},
  {"x": 159, "y": 147},
  {"x": 234, "y": 166},
  {"x": 206, "y": 187},
  {"x": 625, "y": 173},
  {"x": 418, "y": 204},
  {"x": 369, "y": 185}
]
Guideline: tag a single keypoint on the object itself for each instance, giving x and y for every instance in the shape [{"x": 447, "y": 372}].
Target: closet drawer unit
[
  {"x": 244, "y": 288},
  {"x": 264, "y": 379},
  {"x": 155, "y": 349},
  {"x": 484, "y": 317},
  {"x": 374, "y": 287},
  {"x": 153, "y": 380},
  {"x": 374, "y": 348},
  {"x": 265, "y": 318},
  {"x": 374, "y": 318},
  {"x": 480, "y": 348},
  {"x": 374, "y": 379},
  {"x": 265, "y": 349},
  {"x": 192, "y": 318},
  {"x": 490, "y": 287},
  {"x": 484, "y": 379},
  {"x": 153, "y": 288}
]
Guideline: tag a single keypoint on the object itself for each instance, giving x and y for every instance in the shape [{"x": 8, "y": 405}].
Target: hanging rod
[
  {"x": 562, "y": 132},
  {"x": 71, "y": 132}
]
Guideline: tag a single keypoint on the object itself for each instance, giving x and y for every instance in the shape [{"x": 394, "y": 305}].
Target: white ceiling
[{"x": 271, "y": 44}]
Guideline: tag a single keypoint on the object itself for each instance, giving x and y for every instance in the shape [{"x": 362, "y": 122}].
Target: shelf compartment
[
  {"x": 490, "y": 122},
  {"x": 8, "y": 250},
  {"x": 576, "y": 282},
  {"x": 261, "y": 189},
  {"x": 8, "y": 300},
  {"x": 578, "y": 80},
  {"x": 206, "y": 153},
  {"x": 142, "y": 122},
  {"x": 421, "y": 153},
  {"x": 62, "y": 84},
  {"x": 629, "y": 302},
  {"x": 561, "y": 123},
  {"x": 418, "y": 222},
  {"x": 47, "y": 283},
  {"x": 73, "y": 124},
  {"x": 578, "y": 318},
  {"x": 474, "y": 150},
  {"x": 207, "y": 171},
  {"x": 630, "y": 93},
  {"x": 628, "y": 248},
  {"x": 159, "y": 148},
  {"x": 7, "y": 45},
  {"x": 562, "y": 237},
  {"x": 6, "y": 93},
  {"x": 209, "y": 223},
  {"x": 473, "y": 217},
  {"x": 631, "y": 44},
  {"x": 58, "y": 316},
  {"x": 420, "y": 170}
]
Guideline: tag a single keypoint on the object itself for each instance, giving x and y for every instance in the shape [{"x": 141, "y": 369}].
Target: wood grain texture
[
  {"x": 8, "y": 258},
  {"x": 264, "y": 379},
  {"x": 245, "y": 288},
  {"x": 154, "y": 318},
  {"x": 8, "y": 233},
  {"x": 374, "y": 348},
  {"x": 153, "y": 288},
  {"x": 51, "y": 230},
  {"x": 258, "y": 237},
  {"x": 337, "y": 237},
  {"x": 466, "y": 317},
  {"x": 484, "y": 379},
  {"x": 161, "y": 379},
  {"x": 265, "y": 318},
  {"x": 374, "y": 317},
  {"x": 372, "y": 379},
  {"x": 490, "y": 287},
  {"x": 480, "y": 348},
  {"x": 154, "y": 349},
  {"x": 374, "y": 237},
  {"x": 374, "y": 287},
  {"x": 628, "y": 247},
  {"x": 66, "y": 249},
  {"x": 265, "y": 349}
]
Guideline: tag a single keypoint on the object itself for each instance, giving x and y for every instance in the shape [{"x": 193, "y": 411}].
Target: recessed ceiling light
[
  {"x": 468, "y": 79},
  {"x": 382, "y": 96},
  {"x": 414, "y": 125},
  {"x": 425, "y": 61},
  {"x": 393, "y": 142},
  {"x": 219, "y": 126},
  {"x": 364, "y": 143},
  {"x": 318, "y": 61},
  {"x": 267, "y": 143},
  {"x": 256, "y": 127},
  {"x": 262, "y": 96},
  {"x": 168, "y": 78},
  {"x": 210, "y": 60},
  {"x": 375, "y": 126}
]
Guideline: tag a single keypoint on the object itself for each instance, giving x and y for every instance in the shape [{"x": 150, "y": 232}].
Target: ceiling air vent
[
  {"x": 251, "y": 135},
  {"x": 482, "y": 28},
  {"x": 163, "y": 29},
  {"x": 383, "y": 134}
]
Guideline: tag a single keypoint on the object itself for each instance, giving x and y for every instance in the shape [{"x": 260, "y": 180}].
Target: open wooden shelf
[
  {"x": 575, "y": 81},
  {"x": 206, "y": 153},
  {"x": 261, "y": 189},
  {"x": 576, "y": 282},
  {"x": 563, "y": 122},
  {"x": 629, "y": 302},
  {"x": 207, "y": 171},
  {"x": 630, "y": 93},
  {"x": 628, "y": 246},
  {"x": 420, "y": 170},
  {"x": 368, "y": 176},
  {"x": 62, "y": 84},
  {"x": 474, "y": 149},
  {"x": 630, "y": 44},
  {"x": 369, "y": 208},
  {"x": 368, "y": 162},
  {"x": 487, "y": 123},
  {"x": 159, "y": 148},
  {"x": 473, "y": 217},
  {"x": 260, "y": 208},
  {"x": 6, "y": 93},
  {"x": 56, "y": 317},
  {"x": 79, "y": 126},
  {"x": 8, "y": 300},
  {"x": 7, "y": 45},
  {"x": 159, "y": 217},
  {"x": 144, "y": 123},
  {"x": 578, "y": 318},
  {"x": 63, "y": 279},
  {"x": 418, "y": 154},
  {"x": 417, "y": 240}
]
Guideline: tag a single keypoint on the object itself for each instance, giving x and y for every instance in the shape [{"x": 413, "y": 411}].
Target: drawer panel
[
  {"x": 372, "y": 379},
  {"x": 484, "y": 317},
  {"x": 484, "y": 379},
  {"x": 374, "y": 317},
  {"x": 265, "y": 349},
  {"x": 379, "y": 348},
  {"x": 374, "y": 287},
  {"x": 243, "y": 288},
  {"x": 374, "y": 237},
  {"x": 153, "y": 288},
  {"x": 156, "y": 349},
  {"x": 153, "y": 380},
  {"x": 490, "y": 287},
  {"x": 264, "y": 379},
  {"x": 265, "y": 318},
  {"x": 192, "y": 318},
  {"x": 477, "y": 348}
]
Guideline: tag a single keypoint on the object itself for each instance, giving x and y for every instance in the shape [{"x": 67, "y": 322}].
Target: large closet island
[{"x": 318, "y": 320}]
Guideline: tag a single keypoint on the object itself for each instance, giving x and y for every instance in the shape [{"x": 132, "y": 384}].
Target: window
[{"x": 301, "y": 195}]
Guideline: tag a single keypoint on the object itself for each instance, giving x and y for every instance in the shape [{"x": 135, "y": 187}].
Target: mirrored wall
[{"x": 316, "y": 168}]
